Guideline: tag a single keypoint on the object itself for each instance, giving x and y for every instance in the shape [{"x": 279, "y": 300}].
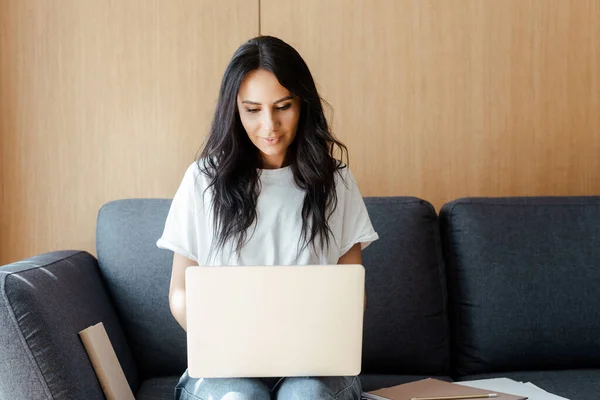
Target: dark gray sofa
[{"x": 493, "y": 287}]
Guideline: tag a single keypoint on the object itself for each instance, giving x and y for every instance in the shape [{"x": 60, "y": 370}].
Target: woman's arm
[
  {"x": 353, "y": 256},
  {"x": 177, "y": 288}
]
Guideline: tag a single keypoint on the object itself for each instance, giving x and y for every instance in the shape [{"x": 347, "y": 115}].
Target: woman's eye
[
  {"x": 252, "y": 110},
  {"x": 288, "y": 105}
]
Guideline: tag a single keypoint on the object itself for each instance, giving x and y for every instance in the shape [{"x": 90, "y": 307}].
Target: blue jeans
[{"x": 326, "y": 388}]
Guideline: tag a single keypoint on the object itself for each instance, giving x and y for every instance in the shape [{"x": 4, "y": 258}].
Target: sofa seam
[
  {"x": 443, "y": 285},
  {"x": 452, "y": 314},
  {"x": 45, "y": 265}
]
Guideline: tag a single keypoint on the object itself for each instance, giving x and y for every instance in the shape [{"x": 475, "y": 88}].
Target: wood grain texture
[
  {"x": 103, "y": 100},
  {"x": 445, "y": 99}
]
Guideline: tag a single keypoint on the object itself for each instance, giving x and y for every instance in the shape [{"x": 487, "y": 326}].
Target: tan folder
[
  {"x": 105, "y": 363},
  {"x": 435, "y": 388}
]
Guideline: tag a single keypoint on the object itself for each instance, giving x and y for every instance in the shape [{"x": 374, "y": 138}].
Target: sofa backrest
[
  {"x": 523, "y": 279},
  {"x": 405, "y": 322},
  {"x": 405, "y": 327},
  {"x": 137, "y": 274}
]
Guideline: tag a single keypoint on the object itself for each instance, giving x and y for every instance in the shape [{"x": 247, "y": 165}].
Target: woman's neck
[{"x": 274, "y": 163}]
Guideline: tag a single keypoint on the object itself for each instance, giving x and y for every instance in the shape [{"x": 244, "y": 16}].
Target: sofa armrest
[{"x": 44, "y": 302}]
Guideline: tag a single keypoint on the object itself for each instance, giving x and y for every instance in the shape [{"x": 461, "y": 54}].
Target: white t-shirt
[{"x": 274, "y": 237}]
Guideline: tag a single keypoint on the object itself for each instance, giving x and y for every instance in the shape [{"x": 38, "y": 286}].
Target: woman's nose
[{"x": 270, "y": 123}]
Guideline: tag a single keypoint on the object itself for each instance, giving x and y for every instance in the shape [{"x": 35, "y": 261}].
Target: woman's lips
[{"x": 271, "y": 141}]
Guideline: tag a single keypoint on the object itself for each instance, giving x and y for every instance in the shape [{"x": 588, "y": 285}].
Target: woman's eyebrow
[{"x": 290, "y": 97}]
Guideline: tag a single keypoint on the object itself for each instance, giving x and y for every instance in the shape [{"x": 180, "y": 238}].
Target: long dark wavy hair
[{"x": 233, "y": 163}]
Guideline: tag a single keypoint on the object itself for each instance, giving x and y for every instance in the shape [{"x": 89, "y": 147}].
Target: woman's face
[{"x": 269, "y": 114}]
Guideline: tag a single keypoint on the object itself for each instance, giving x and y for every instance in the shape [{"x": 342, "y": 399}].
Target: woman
[{"x": 266, "y": 190}]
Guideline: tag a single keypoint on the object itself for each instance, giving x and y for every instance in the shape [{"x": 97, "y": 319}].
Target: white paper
[
  {"x": 509, "y": 386},
  {"x": 533, "y": 386}
]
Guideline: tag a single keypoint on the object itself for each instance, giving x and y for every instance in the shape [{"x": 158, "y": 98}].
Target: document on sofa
[
  {"x": 429, "y": 388},
  {"x": 513, "y": 387}
]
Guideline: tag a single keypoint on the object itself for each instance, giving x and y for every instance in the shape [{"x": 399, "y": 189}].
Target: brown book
[
  {"x": 435, "y": 388},
  {"x": 105, "y": 363}
]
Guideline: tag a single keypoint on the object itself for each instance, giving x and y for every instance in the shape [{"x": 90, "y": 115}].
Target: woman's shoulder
[{"x": 197, "y": 173}]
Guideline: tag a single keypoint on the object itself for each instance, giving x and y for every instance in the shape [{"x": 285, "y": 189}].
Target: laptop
[{"x": 274, "y": 321}]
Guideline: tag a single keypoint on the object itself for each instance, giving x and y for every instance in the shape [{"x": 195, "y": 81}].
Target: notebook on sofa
[{"x": 428, "y": 388}]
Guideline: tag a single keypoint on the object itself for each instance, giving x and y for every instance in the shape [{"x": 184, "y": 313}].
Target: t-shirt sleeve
[
  {"x": 356, "y": 224},
  {"x": 180, "y": 233}
]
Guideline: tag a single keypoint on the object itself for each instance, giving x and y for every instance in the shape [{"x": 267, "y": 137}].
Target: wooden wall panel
[
  {"x": 102, "y": 100},
  {"x": 445, "y": 99}
]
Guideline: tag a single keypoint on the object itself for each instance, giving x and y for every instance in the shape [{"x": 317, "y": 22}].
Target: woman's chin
[{"x": 271, "y": 151}]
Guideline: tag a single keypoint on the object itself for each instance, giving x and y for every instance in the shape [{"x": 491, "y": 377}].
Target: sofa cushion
[
  {"x": 137, "y": 274},
  {"x": 575, "y": 384},
  {"x": 523, "y": 278},
  {"x": 405, "y": 326}
]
